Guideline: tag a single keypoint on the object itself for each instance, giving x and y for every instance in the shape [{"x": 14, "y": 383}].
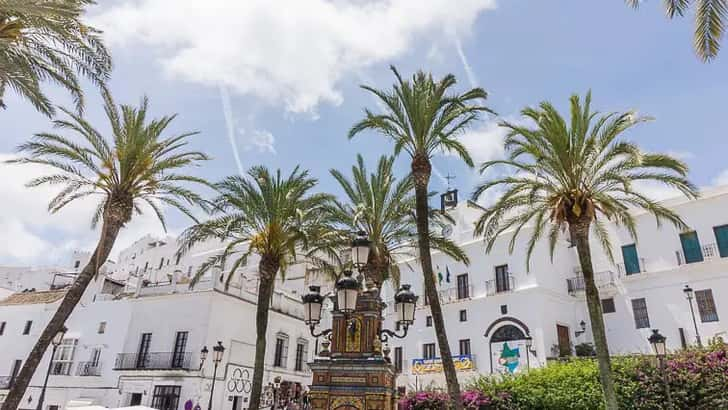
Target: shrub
[{"x": 472, "y": 399}]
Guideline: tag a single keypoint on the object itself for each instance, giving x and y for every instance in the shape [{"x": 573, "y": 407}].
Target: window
[
  {"x": 63, "y": 359},
  {"x": 166, "y": 397},
  {"x": 28, "y": 325},
  {"x": 428, "y": 351},
  {"x": 428, "y": 321},
  {"x": 639, "y": 310},
  {"x": 76, "y": 264},
  {"x": 691, "y": 247},
  {"x": 464, "y": 347},
  {"x": 463, "y": 315},
  {"x": 502, "y": 280},
  {"x": 102, "y": 328},
  {"x": 2, "y": 328},
  {"x": 721, "y": 237},
  {"x": 301, "y": 355},
  {"x": 143, "y": 352},
  {"x": 180, "y": 344},
  {"x": 189, "y": 271},
  {"x": 398, "y": 359},
  {"x": 608, "y": 305},
  {"x": 14, "y": 373},
  {"x": 463, "y": 288},
  {"x": 631, "y": 260},
  {"x": 95, "y": 357},
  {"x": 281, "y": 351},
  {"x": 706, "y": 305}
]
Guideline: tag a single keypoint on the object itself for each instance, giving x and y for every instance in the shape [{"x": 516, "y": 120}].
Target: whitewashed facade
[{"x": 497, "y": 301}]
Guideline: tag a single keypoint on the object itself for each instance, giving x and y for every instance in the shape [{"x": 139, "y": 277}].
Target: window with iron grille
[
  {"x": 398, "y": 359},
  {"x": 464, "y": 347},
  {"x": 501, "y": 279},
  {"x": 706, "y": 305},
  {"x": 281, "y": 351},
  {"x": 180, "y": 344},
  {"x": 143, "y": 352},
  {"x": 166, "y": 397},
  {"x": 639, "y": 310},
  {"x": 301, "y": 354},
  {"x": 463, "y": 315},
  {"x": 102, "y": 327},
  {"x": 28, "y": 325},
  {"x": 428, "y": 321},
  {"x": 428, "y": 351},
  {"x": 463, "y": 288},
  {"x": 63, "y": 358},
  {"x": 608, "y": 305}
]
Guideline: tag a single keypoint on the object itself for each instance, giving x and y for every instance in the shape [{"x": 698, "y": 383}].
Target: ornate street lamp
[
  {"x": 405, "y": 302},
  {"x": 56, "y": 341},
  {"x": 203, "y": 356},
  {"x": 360, "y": 250},
  {"x": 217, "y": 352},
  {"x": 688, "y": 291},
  {"x": 347, "y": 292},
  {"x": 529, "y": 343},
  {"x": 276, "y": 385},
  {"x": 659, "y": 347},
  {"x": 578, "y": 333}
]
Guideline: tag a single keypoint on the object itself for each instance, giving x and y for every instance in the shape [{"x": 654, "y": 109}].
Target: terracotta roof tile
[{"x": 32, "y": 298}]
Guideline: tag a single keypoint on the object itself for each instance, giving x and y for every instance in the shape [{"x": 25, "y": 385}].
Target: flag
[
  {"x": 439, "y": 275},
  {"x": 447, "y": 274}
]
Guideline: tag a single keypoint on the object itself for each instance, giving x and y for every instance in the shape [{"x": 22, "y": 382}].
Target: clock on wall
[{"x": 447, "y": 231}]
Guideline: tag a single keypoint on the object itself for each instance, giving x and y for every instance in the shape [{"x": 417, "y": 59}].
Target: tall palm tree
[
  {"x": 423, "y": 117},
  {"x": 383, "y": 207},
  {"x": 47, "y": 41},
  {"x": 135, "y": 166},
  {"x": 270, "y": 215},
  {"x": 711, "y": 17},
  {"x": 567, "y": 176}
]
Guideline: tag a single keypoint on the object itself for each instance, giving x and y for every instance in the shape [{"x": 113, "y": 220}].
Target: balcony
[
  {"x": 494, "y": 286},
  {"x": 707, "y": 252},
  {"x": 449, "y": 295},
  {"x": 153, "y": 361},
  {"x": 602, "y": 279},
  {"x": 88, "y": 369},
  {"x": 622, "y": 269}
]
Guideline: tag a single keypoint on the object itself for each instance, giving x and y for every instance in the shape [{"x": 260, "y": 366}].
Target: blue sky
[{"x": 291, "y": 71}]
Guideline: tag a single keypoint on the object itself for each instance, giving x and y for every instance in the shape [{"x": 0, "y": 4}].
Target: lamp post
[
  {"x": 660, "y": 349},
  {"x": 689, "y": 295},
  {"x": 529, "y": 343},
  {"x": 57, "y": 339},
  {"x": 276, "y": 385},
  {"x": 217, "y": 352},
  {"x": 203, "y": 356}
]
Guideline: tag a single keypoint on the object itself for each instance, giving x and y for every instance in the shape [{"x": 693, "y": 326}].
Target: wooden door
[{"x": 562, "y": 332}]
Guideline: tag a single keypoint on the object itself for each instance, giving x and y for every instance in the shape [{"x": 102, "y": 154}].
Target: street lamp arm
[
  {"x": 317, "y": 335},
  {"x": 385, "y": 334}
]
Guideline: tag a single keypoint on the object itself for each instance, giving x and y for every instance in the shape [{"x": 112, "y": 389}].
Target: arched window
[{"x": 506, "y": 333}]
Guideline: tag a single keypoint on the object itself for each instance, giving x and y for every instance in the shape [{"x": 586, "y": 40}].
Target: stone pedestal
[{"x": 354, "y": 375}]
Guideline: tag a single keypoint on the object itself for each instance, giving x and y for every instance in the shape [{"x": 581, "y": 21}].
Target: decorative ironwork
[
  {"x": 153, "y": 361},
  {"x": 88, "y": 369}
]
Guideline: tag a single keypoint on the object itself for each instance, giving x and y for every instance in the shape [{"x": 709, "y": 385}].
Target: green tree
[
  {"x": 710, "y": 20},
  {"x": 135, "y": 167},
  {"x": 567, "y": 176},
  {"x": 383, "y": 207},
  {"x": 270, "y": 215},
  {"x": 47, "y": 41},
  {"x": 422, "y": 117}
]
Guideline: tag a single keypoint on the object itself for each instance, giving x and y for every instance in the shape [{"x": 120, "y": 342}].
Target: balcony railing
[
  {"x": 494, "y": 286},
  {"x": 707, "y": 252},
  {"x": 88, "y": 369},
  {"x": 601, "y": 279},
  {"x": 622, "y": 270},
  {"x": 449, "y": 295},
  {"x": 153, "y": 361},
  {"x": 5, "y": 382}
]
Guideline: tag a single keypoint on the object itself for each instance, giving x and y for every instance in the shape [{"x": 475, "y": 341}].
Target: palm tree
[
  {"x": 136, "y": 166},
  {"x": 383, "y": 207},
  {"x": 422, "y": 119},
  {"x": 710, "y": 20},
  {"x": 272, "y": 216},
  {"x": 567, "y": 176},
  {"x": 47, "y": 41}
]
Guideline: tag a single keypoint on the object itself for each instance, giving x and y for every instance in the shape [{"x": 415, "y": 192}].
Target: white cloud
[
  {"x": 288, "y": 51},
  {"x": 261, "y": 141},
  {"x": 30, "y": 235},
  {"x": 484, "y": 143},
  {"x": 721, "y": 179}
]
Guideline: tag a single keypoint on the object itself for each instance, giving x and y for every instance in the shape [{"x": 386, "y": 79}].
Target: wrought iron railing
[
  {"x": 601, "y": 279},
  {"x": 622, "y": 269},
  {"x": 449, "y": 295},
  {"x": 707, "y": 252},
  {"x": 88, "y": 369},
  {"x": 153, "y": 361},
  {"x": 495, "y": 286}
]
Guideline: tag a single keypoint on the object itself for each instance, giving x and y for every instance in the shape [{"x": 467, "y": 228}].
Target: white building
[
  {"x": 129, "y": 344},
  {"x": 496, "y": 301}
]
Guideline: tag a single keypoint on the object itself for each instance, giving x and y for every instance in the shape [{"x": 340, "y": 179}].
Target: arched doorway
[{"x": 508, "y": 351}]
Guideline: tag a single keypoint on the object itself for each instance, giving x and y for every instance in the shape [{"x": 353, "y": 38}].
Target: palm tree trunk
[
  {"x": 109, "y": 231},
  {"x": 421, "y": 170},
  {"x": 268, "y": 267},
  {"x": 580, "y": 232}
]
